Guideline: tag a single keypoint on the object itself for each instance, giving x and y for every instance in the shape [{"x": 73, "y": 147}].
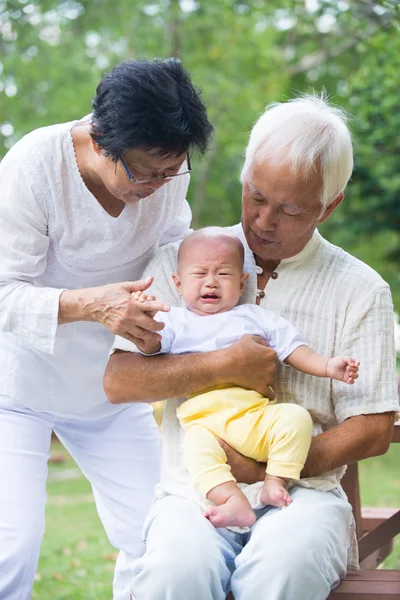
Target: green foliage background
[{"x": 243, "y": 54}]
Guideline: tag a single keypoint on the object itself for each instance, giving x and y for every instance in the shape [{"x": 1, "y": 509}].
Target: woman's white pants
[{"x": 118, "y": 454}]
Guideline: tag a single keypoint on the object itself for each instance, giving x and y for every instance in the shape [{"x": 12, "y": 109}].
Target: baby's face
[{"x": 210, "y": 277}]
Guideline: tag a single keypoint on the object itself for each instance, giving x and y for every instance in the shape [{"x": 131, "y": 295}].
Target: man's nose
[{"x": 267, "y": 219}]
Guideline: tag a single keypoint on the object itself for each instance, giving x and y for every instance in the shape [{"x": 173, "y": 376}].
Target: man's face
[{"x": 280, "y": 209}]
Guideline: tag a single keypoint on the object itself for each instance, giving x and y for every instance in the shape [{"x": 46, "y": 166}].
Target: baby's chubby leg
[
  {"x": 232, "y": 507},
  {"x": 288, "y": 442},
  {"x": 207, "y": 465},
  {"x": 274, "y": 492}
]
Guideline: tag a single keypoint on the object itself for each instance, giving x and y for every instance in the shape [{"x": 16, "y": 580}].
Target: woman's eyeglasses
[{"x": 157, "y": 178}]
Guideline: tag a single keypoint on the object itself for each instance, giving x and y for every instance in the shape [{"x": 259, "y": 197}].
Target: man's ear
[
  {"x": 177, "y": 281},
  {"x": 243, "y": 280},
  {"x": 329, "y": 210}
]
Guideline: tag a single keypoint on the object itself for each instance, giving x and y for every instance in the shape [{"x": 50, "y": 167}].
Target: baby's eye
[
  {"x": 228, "y": 274},
  {"x": 198, "y": 273}
]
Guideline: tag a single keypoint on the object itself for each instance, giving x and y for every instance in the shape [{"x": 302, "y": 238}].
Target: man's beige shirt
[{"x": 342, "y": 307}]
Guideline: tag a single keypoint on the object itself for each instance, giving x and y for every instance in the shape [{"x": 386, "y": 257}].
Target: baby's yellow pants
[{"x": 279, "y": 434}]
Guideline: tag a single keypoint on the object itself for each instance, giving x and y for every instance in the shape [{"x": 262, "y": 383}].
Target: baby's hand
[
  {"x": 146, "y": 344},
  {"x": 343, "y": 368},
  {"x": 142, "y": 297}
]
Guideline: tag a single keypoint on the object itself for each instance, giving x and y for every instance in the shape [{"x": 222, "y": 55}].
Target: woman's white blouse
[{"x": 54, "y": 235}]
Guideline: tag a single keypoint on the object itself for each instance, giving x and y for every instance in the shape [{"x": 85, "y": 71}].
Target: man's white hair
[{"x": 309, "y": 134}]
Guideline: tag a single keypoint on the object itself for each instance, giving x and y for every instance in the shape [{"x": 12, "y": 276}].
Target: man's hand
[
  {"x": 245, "y": 470},
  {"x": 252, "y": 365}
]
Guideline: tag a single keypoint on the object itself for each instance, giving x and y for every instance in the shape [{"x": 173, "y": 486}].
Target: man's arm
[
  {"x": 356, "y": 438},
  {"x": 131, "y": 377}
]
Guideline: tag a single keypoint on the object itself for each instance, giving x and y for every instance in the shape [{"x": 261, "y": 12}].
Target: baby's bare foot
[
  {"x": 274, "y": 492},
  {"x": 235, "y": 512}
]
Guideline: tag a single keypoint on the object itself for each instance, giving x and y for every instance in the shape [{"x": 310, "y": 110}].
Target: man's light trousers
[{"x": 299, "y": 553}]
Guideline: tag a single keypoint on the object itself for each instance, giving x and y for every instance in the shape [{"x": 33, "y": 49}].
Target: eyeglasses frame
[{"x": 161, "y": 177}]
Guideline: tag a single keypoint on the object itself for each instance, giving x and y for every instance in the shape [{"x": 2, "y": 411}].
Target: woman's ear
[
  {"x": 177, "y": 281},
  {"x": 243, "y": 280},
  {"x": 96, "y": 147}
]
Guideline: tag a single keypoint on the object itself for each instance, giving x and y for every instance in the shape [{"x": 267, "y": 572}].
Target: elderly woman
[{"x": 83, "y": 206}]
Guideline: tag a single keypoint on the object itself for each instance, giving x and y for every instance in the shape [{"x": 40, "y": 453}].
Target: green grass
[{"x": 77, "y": 561}]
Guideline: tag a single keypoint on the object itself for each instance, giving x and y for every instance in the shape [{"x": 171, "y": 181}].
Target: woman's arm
[
  {"x": 26, "y": 311},
  {"x": 32, "y": 313}
]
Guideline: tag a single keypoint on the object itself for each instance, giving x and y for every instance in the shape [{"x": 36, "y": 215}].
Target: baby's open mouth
[{"x": 210, "y": 297}]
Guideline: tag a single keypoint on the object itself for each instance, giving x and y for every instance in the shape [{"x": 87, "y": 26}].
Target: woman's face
[
  {"x": 142, "y": 166},
  {"x": 281, "y": 209}
]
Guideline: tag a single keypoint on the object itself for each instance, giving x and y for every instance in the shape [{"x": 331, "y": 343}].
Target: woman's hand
[
  {"x": 114, "y": 307},
  {"x": 147, "y": 345}
]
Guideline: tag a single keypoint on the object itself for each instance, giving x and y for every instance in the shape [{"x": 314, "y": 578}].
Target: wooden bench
[
  {"x": 376, "y": 529},
  {"x": 369, "y": 585}
]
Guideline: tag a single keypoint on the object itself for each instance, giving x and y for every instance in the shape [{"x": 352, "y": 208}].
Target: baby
[{"x": 211, "y": 279}]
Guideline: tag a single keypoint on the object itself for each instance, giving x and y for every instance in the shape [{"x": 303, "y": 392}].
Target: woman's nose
[{"x": 155, "y": 184}]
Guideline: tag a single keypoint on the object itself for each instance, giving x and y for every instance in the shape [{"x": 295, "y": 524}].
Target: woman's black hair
[{"x": 151, "y": 105}]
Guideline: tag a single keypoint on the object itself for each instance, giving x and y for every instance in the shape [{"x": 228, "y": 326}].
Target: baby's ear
[
  {"x": 243, "y": 280},
  {"x": 177, "y": 281}
]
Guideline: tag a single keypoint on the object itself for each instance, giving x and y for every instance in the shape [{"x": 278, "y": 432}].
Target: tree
[{"x": 244, "y": 54}]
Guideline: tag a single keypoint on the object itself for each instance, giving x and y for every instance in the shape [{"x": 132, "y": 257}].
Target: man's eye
[
  {"x": 257, "y": 199},
  {"x": 291, "y": 211}
]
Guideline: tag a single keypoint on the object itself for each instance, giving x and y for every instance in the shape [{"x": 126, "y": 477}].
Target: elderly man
[{"x": 298, "y": 163}]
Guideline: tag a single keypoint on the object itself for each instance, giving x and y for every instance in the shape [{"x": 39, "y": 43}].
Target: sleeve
[
  {"x": 180, "y": 227},
  {"x": 368, "y": 334},
  {"x": 161, "y": 267},
  {"x": 121, "y": 343},
  {"x": 27, "y": 311},
  {"x": 283, "y": 337},
  {"x": 167, "y": 335}
]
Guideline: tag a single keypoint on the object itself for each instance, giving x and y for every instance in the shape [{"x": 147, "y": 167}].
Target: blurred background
[{"x": 243, "y": 54}]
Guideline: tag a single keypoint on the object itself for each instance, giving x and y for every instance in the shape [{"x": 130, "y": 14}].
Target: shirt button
[{"x": 274, "y": 275}]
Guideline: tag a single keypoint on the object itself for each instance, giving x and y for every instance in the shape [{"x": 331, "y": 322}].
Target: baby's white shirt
[{"x": 186, "y": 331}]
